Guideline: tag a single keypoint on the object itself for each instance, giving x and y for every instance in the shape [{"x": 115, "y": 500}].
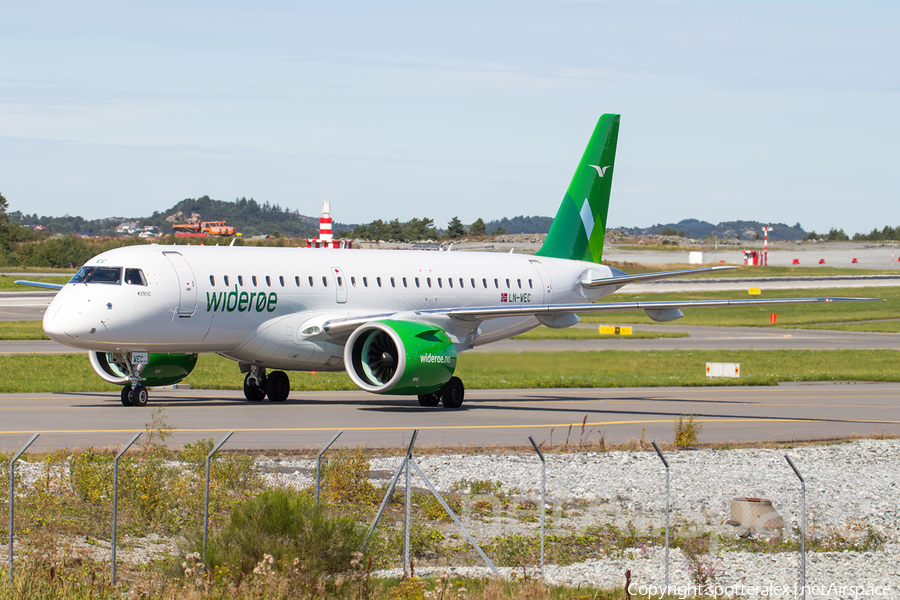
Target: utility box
[
  {"x": 695, "y": 258},
  {"x": 751, "y": 257},
  {"x": 723, "y": 369}
]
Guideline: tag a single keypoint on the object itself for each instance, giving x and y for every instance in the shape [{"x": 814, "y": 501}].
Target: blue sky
[{"x": 786, "y": 112}]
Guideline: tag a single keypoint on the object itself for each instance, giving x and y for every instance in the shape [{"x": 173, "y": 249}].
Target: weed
[
  {"x": 433, "y": 510},
  {"x": 687, "y": 433},
  {"x": 156, "y": 431},
  {"x": 345, "y": 479}
]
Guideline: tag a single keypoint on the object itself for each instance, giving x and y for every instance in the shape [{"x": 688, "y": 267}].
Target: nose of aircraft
[{"x": 65, "y": 319}]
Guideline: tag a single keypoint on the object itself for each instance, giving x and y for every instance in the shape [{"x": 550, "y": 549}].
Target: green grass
[
  {"x": 510, "y": 370},
  {"x": 758, "y": 316},
  {"x": 22, "y": 330},
  {"x": 581, "y": 333}
]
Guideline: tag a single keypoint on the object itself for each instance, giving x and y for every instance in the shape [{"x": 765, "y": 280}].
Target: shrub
[
  {"x": 687, "y": 433},
  {"x": 288, "y": 527},
  {"x": 345, "y": 479}
]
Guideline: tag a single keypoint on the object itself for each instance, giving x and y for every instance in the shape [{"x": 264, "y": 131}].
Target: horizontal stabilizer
[{"x": 621, "y": 280}]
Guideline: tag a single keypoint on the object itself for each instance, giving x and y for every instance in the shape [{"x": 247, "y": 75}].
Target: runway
[{"x": 788, "y": 412}]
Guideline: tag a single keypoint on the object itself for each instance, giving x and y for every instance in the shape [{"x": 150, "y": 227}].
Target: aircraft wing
[
  {"x": 40, "y": 284},
  {"x": 658, "y": 311},
  {"x": 621, "y": 280},
  {"x": 493, "y": 312}
]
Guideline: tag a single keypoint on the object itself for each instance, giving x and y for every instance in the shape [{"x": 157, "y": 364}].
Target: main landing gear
[
  {"x": 257, "y": 385},
  {"x": 451, "y": 395}
]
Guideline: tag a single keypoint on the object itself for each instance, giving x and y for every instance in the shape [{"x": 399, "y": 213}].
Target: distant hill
[
  {"x": 253, "y": 218},
  {"x": 745, "y": 230},
  {"x": 246, "y": 215}
]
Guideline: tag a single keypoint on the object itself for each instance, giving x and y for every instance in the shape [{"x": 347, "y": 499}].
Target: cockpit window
[
  {"x": 108, "y": 275},
  {"x": 135, "y": 277}
]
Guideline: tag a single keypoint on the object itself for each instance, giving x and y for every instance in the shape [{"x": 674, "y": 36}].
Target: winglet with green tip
[{"x": 579, "y": 228}]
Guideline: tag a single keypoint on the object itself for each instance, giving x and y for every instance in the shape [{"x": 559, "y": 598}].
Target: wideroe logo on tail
[{"x": 241, "y": 301}]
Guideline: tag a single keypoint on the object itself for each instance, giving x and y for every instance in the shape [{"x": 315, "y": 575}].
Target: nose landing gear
[{"x": 135, "y": 396}]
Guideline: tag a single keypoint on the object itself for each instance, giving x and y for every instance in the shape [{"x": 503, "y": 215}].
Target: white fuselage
[{"x": 266, "y": 305}]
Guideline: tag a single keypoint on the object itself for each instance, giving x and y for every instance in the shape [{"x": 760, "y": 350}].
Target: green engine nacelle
[
  {"x": 161, "y": 369},
  {"x": 400, "y": 357}
]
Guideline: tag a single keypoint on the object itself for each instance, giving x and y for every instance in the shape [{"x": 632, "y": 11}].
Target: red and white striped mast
[{"x": 325, "y": 232}]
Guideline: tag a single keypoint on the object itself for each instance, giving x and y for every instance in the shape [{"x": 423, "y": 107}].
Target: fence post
[
  {"x": 407, "y": 507},
  {"x": 12, "y": 485},
  {"x": 543, "y": 495},
  {"x": 206, "y": 506},
  {"x": 319, "y": 463},
  {"x": 802, "y": 527},
  {"x": 116, "y": 501},
  {"x": 390, "y": 490},
  {"x": 666, "y": 463}
]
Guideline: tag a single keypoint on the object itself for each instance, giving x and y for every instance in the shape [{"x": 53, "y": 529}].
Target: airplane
[{"x": 394, "y": 320}]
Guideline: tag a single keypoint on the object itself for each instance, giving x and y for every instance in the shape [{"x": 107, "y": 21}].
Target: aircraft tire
[
  {"x": 126, "y": 396},
  {"x": 453, "y": 393},
  {"x": 253, "y": 393},
  {"x": 278, "y": 386},
  {"x": 432, "y": 399},
  {"x": 139, "y": 396}
]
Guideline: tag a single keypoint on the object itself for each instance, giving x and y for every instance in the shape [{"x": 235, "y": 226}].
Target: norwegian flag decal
[{"x": 503, "y": 297}]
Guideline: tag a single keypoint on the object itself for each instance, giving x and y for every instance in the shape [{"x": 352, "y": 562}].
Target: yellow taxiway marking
[{"x": 411, "y": 427}]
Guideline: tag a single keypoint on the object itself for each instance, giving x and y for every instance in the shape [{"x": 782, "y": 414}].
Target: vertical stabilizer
[{"x": 579, "y": 228}]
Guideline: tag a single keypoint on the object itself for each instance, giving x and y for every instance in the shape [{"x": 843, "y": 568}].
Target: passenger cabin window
[
  {"x": 310, "y": 281},
  {"x": 340, "y": 281},
  {"x": 519, "y": 283},
  {"x": 507, "y": 284},
  {"x": 428, "y": 280},
  {"x": 108, "y": 275},
  {"x": 484, "y": 283},
  {"x": 497, "y": 283},
  {"x": 281, "y": 280},
  {"x": 253, "y": 279},
  {"x": 297, "y": 280},
  {"x": 324, "y": 281},
  {"x": 378, "y": 281},
  {"x": 530, "y": 285},
  {"x": 365, "y": 282},
  {"x": 226, "y": 280},
  {"x": 136, "y": 277},
  {"x": 353, "y": 281},
  {"x": 417, "y": 282},
  {"x": 212, "y": 281},
  {"x": 240, "y": 281},
  {"x": 268, "y": 281},
  {"x": 449, "y": 280}
]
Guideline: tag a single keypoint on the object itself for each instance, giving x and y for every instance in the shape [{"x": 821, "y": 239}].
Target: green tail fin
[{"x": 579, "y": 228}]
